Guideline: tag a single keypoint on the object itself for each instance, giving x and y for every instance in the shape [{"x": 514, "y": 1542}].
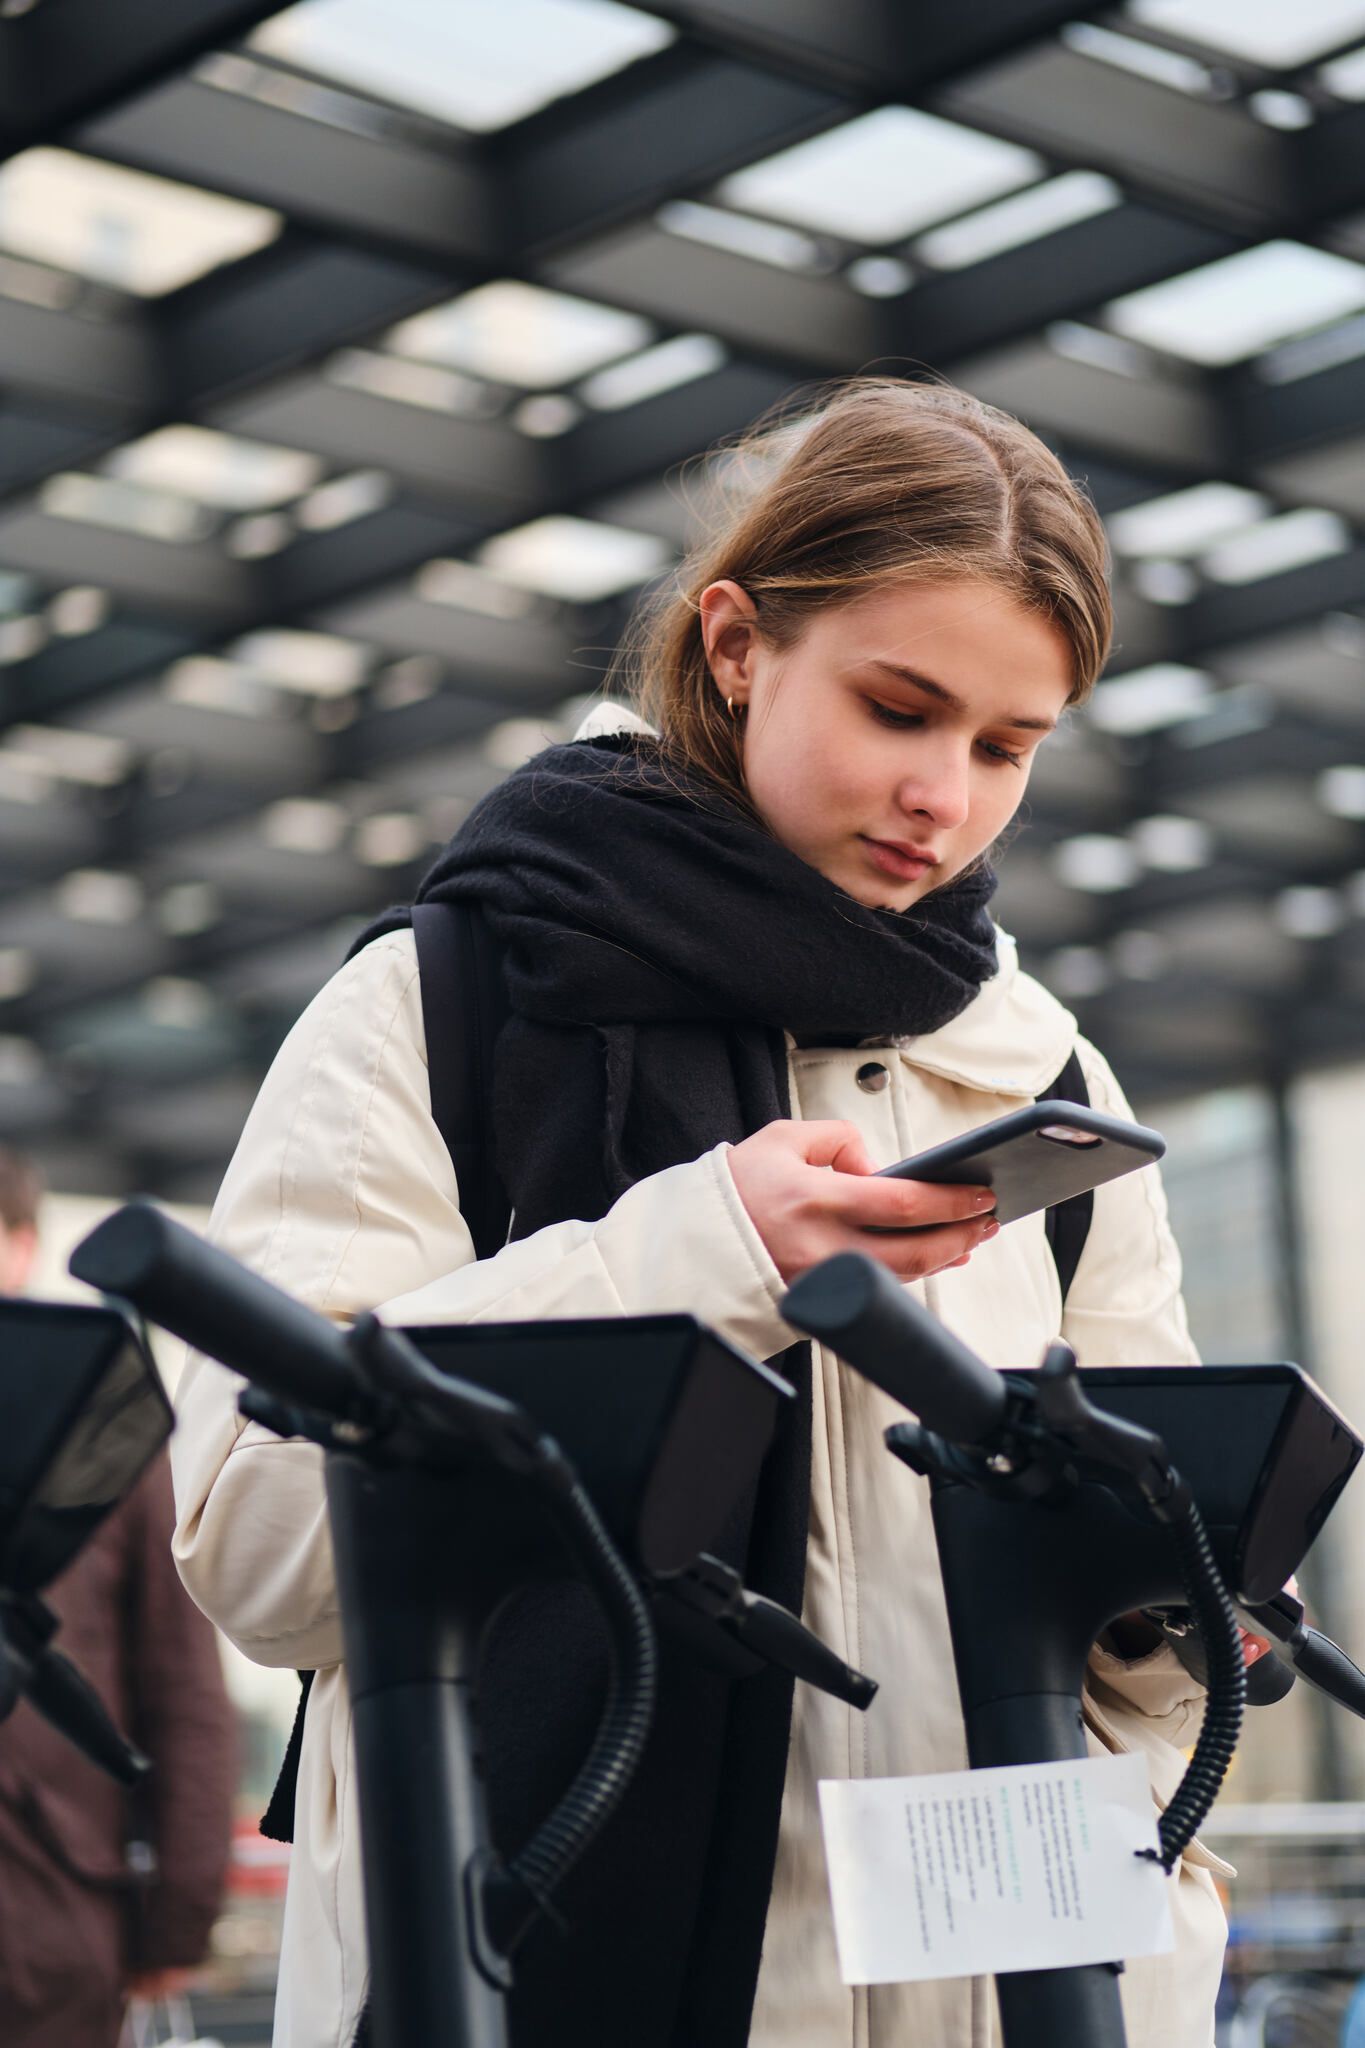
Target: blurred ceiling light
[
  {"x": 1076, "y": 972},
  {"x": 409, "y": 681},
  {"x": 883, "y": 175},
  {"x": 342, "y": 499},
  {"x": 18, "y": 972},
  {"x": 576, "y": 559},
  {"x": 739, "y": 234},
  {"x": 1096, "y": 862},
  {"x": 129, "y": 507},
  {"x": 1342, "y": 343},
  {"x": 21, "y": 1062},
  {"x": 662, "y": 368},
  {"x": 34, "y": 285},
  {"x": 1026, "y": 217},
  {"x": 82, "y": 608},
  {"x": 1309, "y": 913},
  {"x": 520, "y": 334},
  {"x": 300, "y": 824},
  {"x": 144, "y": 234},
  {"x": 880, "y": 277},
  {"x": 1164, "y": 582},
  {"x": 188, "y": 908},
  {"x": 1129, "y": 53},
  {"x": 214, "y": 468},
  {"x": 1269, "y": 32},
  {"x": 471, "y": 590},
  {"x": 1284, "y": 110},
  {"x": 1172, "y": 845},
  {"x": 1295, "y": 538},
  {"x": 1341, "y": 791},
  {"x": 390, "y": 839},
  {"x": 69, "y": 754},
  {"x": 209, "y": 683},
  {"x": 260, "y": 534},
  {"x": 21, "y": 638},
  {"x": 1239, "y": 305},
  {"x": 546, "y": 415},
  {"x": 480, "y": 68},
  {"x": 407, "y": 383},
  {"x": 23, "y": 781},
  {"x": 316, "y": 664},
  {"x": 1344, "y": 76},
  {"x": 514, "y": 742},
  {"x": 1184, "y": 522},
  {"x": 1226, "y": 716},
  {"x": 174, "y": 1003},
  {"x": 1095, "y": 346},
  {"x": 100, "y": 896},
  {"x": 1146, "y": 699},
  {"x": 1141, "y": 955}
]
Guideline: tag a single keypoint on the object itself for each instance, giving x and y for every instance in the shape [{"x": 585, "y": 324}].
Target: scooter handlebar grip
[
  {"x": 856, "y": 1307},
  {"x": 1326, "y": 1665},
  {"x": 197, "y": 1292}
]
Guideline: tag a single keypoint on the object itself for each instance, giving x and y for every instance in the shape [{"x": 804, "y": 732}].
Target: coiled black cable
[
  {"x": 632, "y": 1684},
  {"x": 1216, "y": 1620}
]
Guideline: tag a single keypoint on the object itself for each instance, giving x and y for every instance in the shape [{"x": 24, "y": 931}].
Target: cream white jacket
[{"x": 342, "y": 1192}]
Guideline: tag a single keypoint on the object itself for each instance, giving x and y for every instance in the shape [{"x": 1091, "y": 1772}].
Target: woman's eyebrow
[{"x": 919, "y": 681}]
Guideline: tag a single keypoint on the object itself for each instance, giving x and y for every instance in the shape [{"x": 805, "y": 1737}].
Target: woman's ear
[{"x": 729, "y": 631}]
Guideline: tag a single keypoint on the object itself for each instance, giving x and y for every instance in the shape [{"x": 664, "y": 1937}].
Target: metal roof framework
[{"x": 230, "y": 731}]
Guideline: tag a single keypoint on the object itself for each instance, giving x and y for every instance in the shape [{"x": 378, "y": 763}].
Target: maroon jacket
[{"x": 75, "y": 1920}]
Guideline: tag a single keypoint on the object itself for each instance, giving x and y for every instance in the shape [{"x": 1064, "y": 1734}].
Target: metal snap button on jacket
[{"x": 873, "y": 1077}]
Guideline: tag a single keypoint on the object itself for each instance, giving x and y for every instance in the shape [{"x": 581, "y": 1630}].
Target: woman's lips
[{"x": 906, "y": 864}]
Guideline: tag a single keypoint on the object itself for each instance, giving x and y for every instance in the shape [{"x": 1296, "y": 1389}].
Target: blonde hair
[{"x": 886, "y": 481}]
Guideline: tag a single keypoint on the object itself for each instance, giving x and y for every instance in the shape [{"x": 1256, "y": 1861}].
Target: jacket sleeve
[
  {"x": 342, "y": 1192},
  {"x": 186, "y": 1724},
  {"x": 1125, "y": 1308}
]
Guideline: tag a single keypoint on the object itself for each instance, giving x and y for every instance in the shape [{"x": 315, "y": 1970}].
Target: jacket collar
[{"x": 1013, "y": 1038}]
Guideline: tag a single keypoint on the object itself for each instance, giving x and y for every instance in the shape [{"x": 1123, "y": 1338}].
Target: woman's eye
[
  {"x": 899, "y": 721},
  {"x": 999, "y": 753}
]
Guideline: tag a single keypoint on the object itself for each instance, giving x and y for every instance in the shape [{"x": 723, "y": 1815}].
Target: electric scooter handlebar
[
  {"x": 861, "y": 1311},
  {"x": 202, "y": 1295}
]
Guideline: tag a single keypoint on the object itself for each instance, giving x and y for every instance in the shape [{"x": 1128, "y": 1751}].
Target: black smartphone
[{"x": 1037, "y": 1156}]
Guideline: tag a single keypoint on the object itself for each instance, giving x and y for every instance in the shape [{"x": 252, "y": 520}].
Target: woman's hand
[{"x": 811, "y": 1191}]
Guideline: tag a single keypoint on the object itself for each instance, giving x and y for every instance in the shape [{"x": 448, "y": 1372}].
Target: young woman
[{"x": 749, "y": 959}]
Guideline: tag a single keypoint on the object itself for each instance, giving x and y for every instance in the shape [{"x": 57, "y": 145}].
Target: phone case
[{"x": 1030, "y": 1169}]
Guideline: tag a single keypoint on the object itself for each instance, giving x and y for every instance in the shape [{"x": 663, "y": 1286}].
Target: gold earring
[{"x": 730, "y": 706}]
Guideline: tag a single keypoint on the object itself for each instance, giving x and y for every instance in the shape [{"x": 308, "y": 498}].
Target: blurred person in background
[{"x": 107, "y": 1895}]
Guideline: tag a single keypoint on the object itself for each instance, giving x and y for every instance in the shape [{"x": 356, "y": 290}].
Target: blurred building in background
[{"x": 355, "y": 364}]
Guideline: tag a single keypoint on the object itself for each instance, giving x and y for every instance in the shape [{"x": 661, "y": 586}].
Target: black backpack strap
[
  {"x": 464, "y": 1003},
  {"x": 464, "y": 1006},
  {"x": 1068, "y": 1223},
  {"x": 277, "y": 1822}
]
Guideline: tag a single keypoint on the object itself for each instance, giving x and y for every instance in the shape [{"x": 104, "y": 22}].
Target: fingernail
[
  {"x": 985, "y": 1200},
  {"x": 989, "y": 1227}
]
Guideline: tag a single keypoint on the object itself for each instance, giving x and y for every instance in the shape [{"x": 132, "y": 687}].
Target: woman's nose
[{"x": 939, "y": 790}]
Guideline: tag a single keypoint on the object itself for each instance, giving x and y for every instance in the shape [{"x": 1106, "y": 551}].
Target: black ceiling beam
[
  {"x": 1060, "y": 276},
  {"x": 59, "y": 63},
  {"x": 1211, "y": 160},
  {"x": 671, "y": 125},
  {"x": 378, "y": 190}
]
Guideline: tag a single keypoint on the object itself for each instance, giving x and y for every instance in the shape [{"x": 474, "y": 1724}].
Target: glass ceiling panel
[
  {"x": 215, "y": 469},
  {"x": 1185, "y": 522},
  {"x": 1271, "y": 32},
  {"x": 1242, "y": 304},
  {"x": 1025, "y": 217},
  {"x": 520, "y": 334},
  {"x": 143, "y": 234},
  {"x": 480, "y": 67},
  {"x": 576, "y": 559},
  {"x": 883, "y": 176}
]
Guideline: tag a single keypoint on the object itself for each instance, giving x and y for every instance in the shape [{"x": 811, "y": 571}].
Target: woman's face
[{"x": 892, "y": 744}]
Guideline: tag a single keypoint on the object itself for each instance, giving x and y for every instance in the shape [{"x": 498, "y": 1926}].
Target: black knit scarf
[{"x": 658, "y": 942}]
